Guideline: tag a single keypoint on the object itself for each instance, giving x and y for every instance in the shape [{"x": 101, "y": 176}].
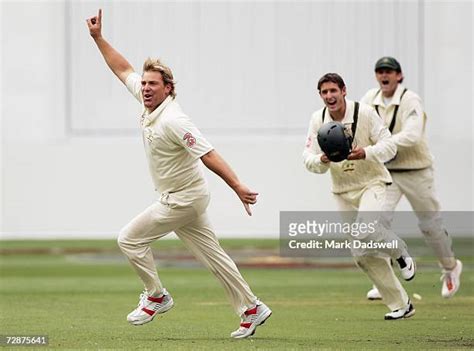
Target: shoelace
[
  {"x": 446, "y": 276},
  {"x": 143, "y": 297},
  {"x": 250, "y": 318}
]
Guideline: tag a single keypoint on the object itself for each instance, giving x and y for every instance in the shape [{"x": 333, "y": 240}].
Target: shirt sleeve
[
  {"x": 134, "y": 85},
  {"x": 182, "y": 131},
  {"x": 383, "y": 149},
  {"x": 413, "y": 123},
  {"x": 312, "y": 152}
]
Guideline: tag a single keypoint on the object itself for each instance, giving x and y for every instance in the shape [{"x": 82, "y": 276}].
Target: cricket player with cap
[
  {"x": 174, "y": 146},
  {"x": 401, "y": 110},
  {"x": 359, "y": 184}
]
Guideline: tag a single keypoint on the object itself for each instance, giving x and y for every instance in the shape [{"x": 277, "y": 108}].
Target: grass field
[{"x": 81, "y": 303}]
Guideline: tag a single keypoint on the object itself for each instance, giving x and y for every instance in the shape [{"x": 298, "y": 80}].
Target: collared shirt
[
  {"x": 173, "y": 146},
  {"x": 381, "y": 150},
  {"x": 371, "y": 135},
  {"x": 410, "y": 114}
]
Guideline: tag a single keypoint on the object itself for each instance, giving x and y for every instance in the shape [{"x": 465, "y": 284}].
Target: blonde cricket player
[
  {"x": 359, "y": 184},
  {"x": 174, "y": 146},
  {"x": 412, "y": 172}
]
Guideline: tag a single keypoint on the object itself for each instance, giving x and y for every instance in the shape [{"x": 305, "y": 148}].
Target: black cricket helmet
[{"x": 334, "y": 141}]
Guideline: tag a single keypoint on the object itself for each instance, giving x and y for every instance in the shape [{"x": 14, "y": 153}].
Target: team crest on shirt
[
  {"x": 190, "y": 139},
  {"x": 348, "y": 166},
  {"x": 148, "y": 134},
  {"x": 309, "y": 142},
  {"x": 348, "y": 130}
]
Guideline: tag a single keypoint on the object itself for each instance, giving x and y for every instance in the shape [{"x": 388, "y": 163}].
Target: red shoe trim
[
  {"x": 252, "y": 311},
  {"x": 245, "y": 325},
  {"x": 147, "y": 311},
  {"x": 450, "y": 284},
  {"x": 156, "y": 299}
]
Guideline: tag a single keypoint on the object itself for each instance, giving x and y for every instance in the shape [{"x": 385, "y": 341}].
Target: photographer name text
[{"x": 341, "y": 245}]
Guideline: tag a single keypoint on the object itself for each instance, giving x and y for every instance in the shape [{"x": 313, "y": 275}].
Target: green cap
[{"x": 388, "y": 63}]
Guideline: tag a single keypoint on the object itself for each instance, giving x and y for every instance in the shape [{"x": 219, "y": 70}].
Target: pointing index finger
[{"x": 247, "y": 208}]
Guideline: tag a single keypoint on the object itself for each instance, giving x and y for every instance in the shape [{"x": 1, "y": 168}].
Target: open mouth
[
  {"x": 147, "y": 97},
  {"x": 331, "y": 103},
  {"x": 385, "y": 82}
]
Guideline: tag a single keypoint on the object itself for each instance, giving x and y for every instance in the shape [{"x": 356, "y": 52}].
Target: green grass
[
  {"x": 111, "y": 244},
  {"x": 82, "y": 305}
]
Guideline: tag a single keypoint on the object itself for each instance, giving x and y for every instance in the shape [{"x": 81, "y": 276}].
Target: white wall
[
  {"x": 1, "y": 128},
  {"x": 249, "y": 66},
  {"x": 72, "y": 161},
  {"x": 448, "y": 85}
]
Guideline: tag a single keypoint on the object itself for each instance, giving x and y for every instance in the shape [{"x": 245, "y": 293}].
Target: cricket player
[
  {"x": 401, "y": 110},
  {"x": 359, "y": 184},
  {"x": 174, "y": 146}
]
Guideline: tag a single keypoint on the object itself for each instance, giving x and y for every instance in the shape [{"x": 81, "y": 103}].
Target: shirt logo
[
  {"x": 348, "y": 130},
  {"x": 190, "y": 139},
  {"x": 148, "y": 134},
  {"x": 348, "y": 166},
  {"x": 309, "y": 142}
]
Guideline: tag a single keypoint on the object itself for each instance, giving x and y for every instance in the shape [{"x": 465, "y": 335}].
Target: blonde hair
[{"x": 157, "y": 66}]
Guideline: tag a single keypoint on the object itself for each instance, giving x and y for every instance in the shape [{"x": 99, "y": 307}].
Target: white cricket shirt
[
  {"x": 173, "y": 146},
  {"x": 371, "y": 135},
  {"x": 409, "y": 129}
]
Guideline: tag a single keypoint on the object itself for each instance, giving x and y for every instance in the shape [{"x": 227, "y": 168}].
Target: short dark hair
[{"x": 333, "y": 78}]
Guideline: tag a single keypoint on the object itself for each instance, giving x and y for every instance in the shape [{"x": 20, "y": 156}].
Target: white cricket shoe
[
  {"x": 451, "y": 280},
  {"x": 406, "y": 312},
  {"x": 251, "y": 319},
  {"x": 149, "y": 307},
  {"x": 374, "y": 294},
  {"x": 407, "y": 267}
]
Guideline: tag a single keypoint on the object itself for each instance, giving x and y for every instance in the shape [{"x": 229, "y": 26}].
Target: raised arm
[
  {"x": 117, "y": 63},
  {"x": 216, "y": 163}
]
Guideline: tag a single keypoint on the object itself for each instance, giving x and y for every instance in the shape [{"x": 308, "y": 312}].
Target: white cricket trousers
[
  {"x": 376, "y": 264},
  {"x": 418, "y": 187},
  {"x": 191, "y": 225}
]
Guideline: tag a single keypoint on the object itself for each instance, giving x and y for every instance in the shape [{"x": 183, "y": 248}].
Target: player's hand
[
  {"x": 95, "y": 25},
  {"x": 357, "y": 153},
  {"x": 247, "y": 197},
  {"x": 325, "y": 159}
]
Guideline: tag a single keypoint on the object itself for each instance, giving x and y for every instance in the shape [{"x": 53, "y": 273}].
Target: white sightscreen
[{"x": 242, "y": 67}]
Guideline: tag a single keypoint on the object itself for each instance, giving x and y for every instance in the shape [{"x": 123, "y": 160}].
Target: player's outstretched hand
[
  {"x": 95, "y": 25},
  {"x": 247, "y": 197}
]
